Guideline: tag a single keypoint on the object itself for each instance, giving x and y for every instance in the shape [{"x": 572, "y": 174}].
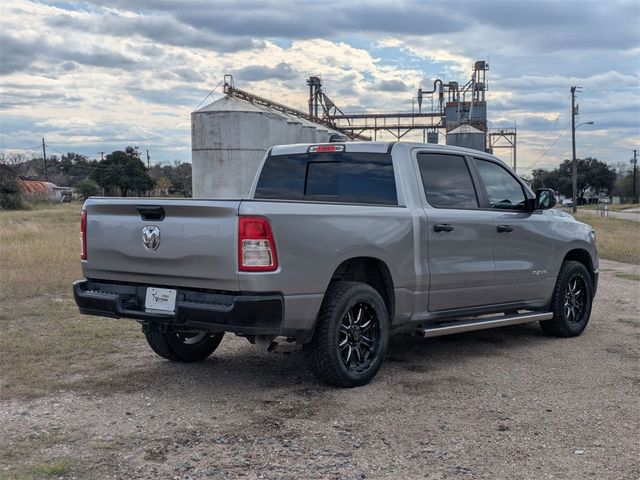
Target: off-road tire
[
  {"x": 172, "y": 346},
  {"x": 324, "y": 355},
  {"x": 562, "y": 324}
]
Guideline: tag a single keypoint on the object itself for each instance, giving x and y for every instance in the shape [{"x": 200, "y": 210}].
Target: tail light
[
  {"x": 256, "y": 248},
  {"x": 83, "y": 235}
]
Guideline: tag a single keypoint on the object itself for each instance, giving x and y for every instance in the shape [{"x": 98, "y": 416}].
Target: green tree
[
  {"x": 542, "y": 178},
  {"x": 593, "y": 175},
  {"x": 178, "y": 173},
  {"x": 87, "y": 188},
  {"x": 163, "y": 184},
  {"x": 123, "y": 171},
  {"x": 181, "y": 178},
  {"x": 624, "y": 185},
  {"x": 10, "y": 198}
]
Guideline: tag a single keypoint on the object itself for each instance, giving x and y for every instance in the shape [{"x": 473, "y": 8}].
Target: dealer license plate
[{"x": 161, "y": 300}]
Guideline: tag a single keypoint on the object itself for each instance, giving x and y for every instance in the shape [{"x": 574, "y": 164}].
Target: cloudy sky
[{"x": 99, "y": 75}]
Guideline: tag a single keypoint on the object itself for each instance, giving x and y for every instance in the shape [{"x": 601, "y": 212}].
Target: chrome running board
[{"x": 480, "y": 323}]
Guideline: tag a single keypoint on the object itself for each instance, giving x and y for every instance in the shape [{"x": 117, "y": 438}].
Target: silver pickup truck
[{"x": 337, "y": 246}]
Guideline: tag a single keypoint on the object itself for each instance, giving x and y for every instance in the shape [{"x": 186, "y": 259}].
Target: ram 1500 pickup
[{"x": 337, "y": 246}]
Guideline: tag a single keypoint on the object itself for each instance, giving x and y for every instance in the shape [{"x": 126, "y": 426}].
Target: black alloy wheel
[
  {"x": 571, "y": 301},
  {"x": 351, "y": 337},
  {"x": 575, "y": 299},
  {"x": 358, "y": 337}
]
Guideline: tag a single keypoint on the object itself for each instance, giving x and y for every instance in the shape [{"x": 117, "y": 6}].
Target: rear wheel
[
  {"x": 183, "y": 346},
  {"x": 571, "y": 304},
  {"x": 351, "y": 337}
]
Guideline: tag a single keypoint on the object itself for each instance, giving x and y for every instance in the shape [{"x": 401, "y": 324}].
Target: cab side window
[
  {"x": 447, "y": 181},
  {"x": 504, "y": 191}
]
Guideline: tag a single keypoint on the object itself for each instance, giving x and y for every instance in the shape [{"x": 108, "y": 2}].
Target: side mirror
[{"x": 545, "y": 198}]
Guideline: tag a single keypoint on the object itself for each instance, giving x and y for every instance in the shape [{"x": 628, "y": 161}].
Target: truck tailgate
[{"x": 197, "y": 242}]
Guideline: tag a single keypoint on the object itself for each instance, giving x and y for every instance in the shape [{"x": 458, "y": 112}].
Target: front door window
[{"x": 504, "y": 191}]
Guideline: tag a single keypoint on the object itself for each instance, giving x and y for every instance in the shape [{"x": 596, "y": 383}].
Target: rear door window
[
  {"x": 447, "y": 181},
  {"x": 342, "y": 178}
]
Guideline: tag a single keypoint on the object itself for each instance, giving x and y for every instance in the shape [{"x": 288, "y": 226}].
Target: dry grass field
[
  {"x": 617, "y": 239},
  {"x": 617, "y": 207},
  {"x": 83, "y": 397},
  {"x": 40, "y": 328}
]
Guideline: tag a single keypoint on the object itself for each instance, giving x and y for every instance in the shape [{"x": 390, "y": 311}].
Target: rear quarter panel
[{"x": 313, "y": 239}]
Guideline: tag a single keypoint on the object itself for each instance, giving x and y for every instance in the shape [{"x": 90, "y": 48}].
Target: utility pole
[
  {"x": 515, "y": 148},
  {"x": 102, "y": 155},
  {"x": 44, "y": 159},
  {"x": 148, "y": 169},
  {"x": 635, "y": 163},
  {"x": 574, "y": 163}
]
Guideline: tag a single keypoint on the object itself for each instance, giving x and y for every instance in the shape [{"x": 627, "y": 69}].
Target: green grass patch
[
  {"x": 54, "y": 468},
  {"x": 628, "y": 276},
  {"x": 20, "y": 452}
]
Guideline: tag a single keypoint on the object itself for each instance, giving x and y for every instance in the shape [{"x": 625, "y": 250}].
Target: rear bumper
[{"x": 246, "y": 314}]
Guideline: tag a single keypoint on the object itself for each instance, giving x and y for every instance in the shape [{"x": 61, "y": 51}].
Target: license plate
[{"x": 161, "y": 300}]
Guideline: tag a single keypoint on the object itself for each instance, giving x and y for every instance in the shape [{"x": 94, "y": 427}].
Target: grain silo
[
  {"x": 230, "y": 136},
  {"x": 468, "y": 137}
]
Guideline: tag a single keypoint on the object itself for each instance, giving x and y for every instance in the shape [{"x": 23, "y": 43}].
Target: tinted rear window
[{"x": 344, "y": 178}]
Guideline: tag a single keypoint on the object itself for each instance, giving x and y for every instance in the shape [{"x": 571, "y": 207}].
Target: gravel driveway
[{"x": 507, "y": 403}]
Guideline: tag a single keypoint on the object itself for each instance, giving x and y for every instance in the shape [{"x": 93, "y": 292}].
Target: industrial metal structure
[
  {"x": 451, "y": 106},
  {"x": 318, "y": 99},
  {"x": 231, "y": 135},
  {"x": 504, "y": 138}
]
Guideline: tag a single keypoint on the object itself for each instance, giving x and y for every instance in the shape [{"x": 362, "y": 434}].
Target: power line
[
  {"x": 553, "y": 128},
  {"x": 44, "y": 159},
  {"x": 209, "y": 95},
  {"x": 550, "y": 146},
  {"x": 55, "y": 149},
  {"x": 35, "y": 147}
]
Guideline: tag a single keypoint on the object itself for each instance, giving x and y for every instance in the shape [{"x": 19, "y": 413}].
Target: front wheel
[
  {"x": 571, "y": 304},
  {"x": 183, "y": 346},
  {"x": 351, "y": 337}
]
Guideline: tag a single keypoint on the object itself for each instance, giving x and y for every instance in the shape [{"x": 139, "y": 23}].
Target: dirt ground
[{"x": 506, "y": 403}]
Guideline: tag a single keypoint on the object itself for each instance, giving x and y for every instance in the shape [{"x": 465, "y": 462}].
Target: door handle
[
  {"x": 442, "y": 227},
  {"x": 505, "y": 228}
]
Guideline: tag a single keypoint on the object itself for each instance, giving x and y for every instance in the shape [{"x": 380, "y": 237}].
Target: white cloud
[{"x": 99, "y": 75}]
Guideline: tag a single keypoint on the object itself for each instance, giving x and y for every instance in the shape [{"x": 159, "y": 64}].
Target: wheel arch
[
  {"x": 583, "y": 256},
  {"x": 371, "y": 271}
]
